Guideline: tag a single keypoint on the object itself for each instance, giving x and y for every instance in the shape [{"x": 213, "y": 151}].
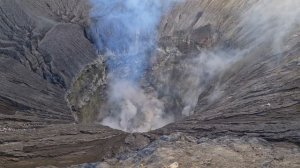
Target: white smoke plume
[
  {"x": 126, "y": 31},
  {"x": 201, "y": 70},
  {"x": 138, "y": 111},
  {"x": 270, "y": 22},
  {"x": 129, "y": 34},
  {"x": 266, "y": 27}
]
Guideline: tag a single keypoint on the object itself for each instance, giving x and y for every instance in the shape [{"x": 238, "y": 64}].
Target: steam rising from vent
[
  {"x": 137, "y": 111},
  {"x": 270, "y": 22},
  {"x": 126, "y": 32},
  {"x": 266, "y": 27}
]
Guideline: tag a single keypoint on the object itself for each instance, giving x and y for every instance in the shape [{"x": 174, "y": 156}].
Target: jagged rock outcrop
[
  {"x": 184, "y": 151},
  {"x": 87, "y": 94}
]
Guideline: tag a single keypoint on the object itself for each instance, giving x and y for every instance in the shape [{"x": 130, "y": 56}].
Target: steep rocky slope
[
  {"x": 41, "y": 52},
  {"x": 43, "y": 46},
  {"x": 257, "y": 94},
  {"x": 214, "y": 73}
]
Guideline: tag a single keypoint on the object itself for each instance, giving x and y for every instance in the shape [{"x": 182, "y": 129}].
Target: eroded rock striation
[{"x": 227, "y": 76}]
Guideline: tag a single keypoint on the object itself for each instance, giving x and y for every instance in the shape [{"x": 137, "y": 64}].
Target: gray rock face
[
  {"x": 60, "y": 145},
  {"x": 88, "y": 93},
  {"x": 185, "y": 151},
  {"x": 51, "y": 76},
  {"x": 257, "y": 94},
  {"x": 43, "y": 47}
]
